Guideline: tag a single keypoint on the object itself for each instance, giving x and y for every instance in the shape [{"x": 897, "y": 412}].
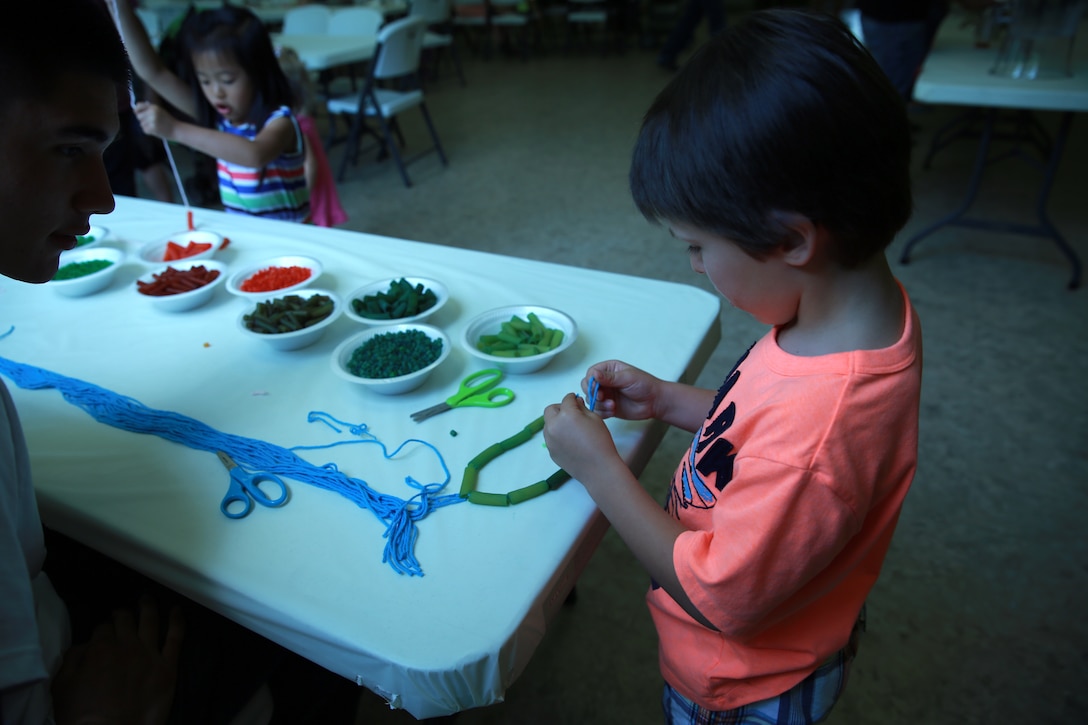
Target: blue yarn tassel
[{"x": 399, "y": 515}]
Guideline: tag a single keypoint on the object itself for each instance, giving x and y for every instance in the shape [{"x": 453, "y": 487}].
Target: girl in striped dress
[{"x": 239, "y": 108}]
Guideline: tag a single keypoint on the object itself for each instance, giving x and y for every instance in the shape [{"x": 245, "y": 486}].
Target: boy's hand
[
  {"x": 122, "y": 675},
  {"x": 578, "y": 440},
  {"x": 154, "y": 120},
  {"x": 625, "y": 391}
]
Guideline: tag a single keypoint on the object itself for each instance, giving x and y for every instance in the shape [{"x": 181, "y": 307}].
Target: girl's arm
[
  {"x": 148, "y": 65},
  {"x": 275, "y": 139}
]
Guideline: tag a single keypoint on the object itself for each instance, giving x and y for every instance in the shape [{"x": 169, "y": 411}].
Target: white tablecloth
[{"x": 309, "y": 575}]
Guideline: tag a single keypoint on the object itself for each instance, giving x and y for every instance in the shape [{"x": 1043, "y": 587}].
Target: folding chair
[
  {"x": 392, "y": 87},
  {"x": 439, "y": 35}
]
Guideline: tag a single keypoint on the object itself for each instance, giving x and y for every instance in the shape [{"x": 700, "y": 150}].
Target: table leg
[{"x": 1044, "y": 227}]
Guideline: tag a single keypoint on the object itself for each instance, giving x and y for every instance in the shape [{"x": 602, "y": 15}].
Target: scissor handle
[
  {"x": 490, "y": 399},
  {"x": 245, "y": 488},
  {"x": 475, "y": 384}
]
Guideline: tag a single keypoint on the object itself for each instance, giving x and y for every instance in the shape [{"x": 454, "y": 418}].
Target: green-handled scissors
[{"x": 477, "y": 389}]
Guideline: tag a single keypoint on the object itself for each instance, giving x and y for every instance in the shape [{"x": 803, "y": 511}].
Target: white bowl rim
[
  {"x": 440, "y": 290},
  {"x": 337, "y": 308},
  {"x": 99, "y": 233},
  {"x": 470, "y": 345},
  {"x": 361, "y": 337},
  {"x": 297, "y": 260},
  {"x": 183, "y": 264}
]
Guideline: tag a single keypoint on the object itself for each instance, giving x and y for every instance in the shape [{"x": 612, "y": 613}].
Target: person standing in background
[
  {"x": 899, "y": 34},
  {"x": 684, "y": 30}
]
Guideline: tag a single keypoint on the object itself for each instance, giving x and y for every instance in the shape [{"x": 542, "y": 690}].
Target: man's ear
[{"x": 802, "y": 239}]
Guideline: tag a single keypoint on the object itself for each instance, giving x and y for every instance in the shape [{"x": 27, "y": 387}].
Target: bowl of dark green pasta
[{"x": 391, "y": 359}]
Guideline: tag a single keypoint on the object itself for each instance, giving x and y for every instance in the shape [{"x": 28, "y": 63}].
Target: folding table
[
  {"x": 309, "y": 575},
  {"x": 958, "y": 73}
]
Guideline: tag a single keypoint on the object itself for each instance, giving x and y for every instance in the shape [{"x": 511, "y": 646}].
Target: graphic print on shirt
[{"x": 710, "y": 453}]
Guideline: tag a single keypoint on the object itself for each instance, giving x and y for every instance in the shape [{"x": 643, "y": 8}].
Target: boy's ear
[{"x": 802, "y": 239}]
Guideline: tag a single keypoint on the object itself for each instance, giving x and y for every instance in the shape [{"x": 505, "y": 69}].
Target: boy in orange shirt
[{"x": 780, "y": 157}]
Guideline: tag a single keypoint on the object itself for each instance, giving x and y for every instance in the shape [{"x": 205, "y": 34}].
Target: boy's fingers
[
  {"x": 149, "y": 622},
  {"x": 175, "y": 633}
]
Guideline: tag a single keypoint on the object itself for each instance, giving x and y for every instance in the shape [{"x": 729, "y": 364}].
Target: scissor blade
[{"x": 426, "y": 413}]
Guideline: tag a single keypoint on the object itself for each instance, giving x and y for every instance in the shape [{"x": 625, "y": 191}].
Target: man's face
[{"x": 52, "y": 177}]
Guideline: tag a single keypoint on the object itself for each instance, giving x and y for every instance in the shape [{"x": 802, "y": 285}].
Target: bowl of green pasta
[
  {"x": 293, "y": 320},
  {"x": 391, "y": 359},
  {"x": 396, "y": 300},
  {"x": 86, "y": 271},
  {"x": 519, "y": 339}
]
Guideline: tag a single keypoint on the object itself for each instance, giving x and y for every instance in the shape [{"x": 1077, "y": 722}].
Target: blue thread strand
[{"x": 399, "y": 515}]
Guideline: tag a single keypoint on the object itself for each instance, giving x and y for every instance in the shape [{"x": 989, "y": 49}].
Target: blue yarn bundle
[{"x": 399, "y": 515}]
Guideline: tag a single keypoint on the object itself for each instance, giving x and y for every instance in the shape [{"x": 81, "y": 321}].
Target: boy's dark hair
[
  {"x": 784, "y": 113},
  {"x": 45, "y": 39},
  {"x": 236, "y": 32}
]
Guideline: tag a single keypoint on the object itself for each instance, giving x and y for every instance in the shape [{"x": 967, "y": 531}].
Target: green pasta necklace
[{"x": 518, "y": 495}]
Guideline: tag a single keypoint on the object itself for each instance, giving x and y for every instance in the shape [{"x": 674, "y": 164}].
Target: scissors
[
  {"x": 245, "y": 488},
  {"x": 477, "y": 389}
]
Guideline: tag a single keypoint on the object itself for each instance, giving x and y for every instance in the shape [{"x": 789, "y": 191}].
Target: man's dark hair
[
  {"x": 45, "y": 39},
  {"x": 785, "y": 113}
]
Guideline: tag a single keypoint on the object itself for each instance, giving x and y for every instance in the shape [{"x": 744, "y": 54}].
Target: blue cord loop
[{"x": 399, "y": 515}]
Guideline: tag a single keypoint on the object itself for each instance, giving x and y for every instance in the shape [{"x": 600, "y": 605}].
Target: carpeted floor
[{"x": 975, "y": 618}]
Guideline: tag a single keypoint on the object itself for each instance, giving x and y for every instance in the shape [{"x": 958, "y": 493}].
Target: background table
[
  {"x": 325, "y": 52},
  {"x": 957, "y": 73},
  {"x": 309, "y": 575}
]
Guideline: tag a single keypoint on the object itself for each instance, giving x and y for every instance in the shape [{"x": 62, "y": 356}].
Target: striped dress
[{"x": 278, "y": 191}]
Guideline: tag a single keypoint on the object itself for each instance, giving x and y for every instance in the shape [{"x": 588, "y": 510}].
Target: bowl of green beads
[
  {"x": 519, "y": 338},
  {"x": 396, "y": 300},
  {"x": 86, "y": 271},
  {"x": 391, "y": 359}
]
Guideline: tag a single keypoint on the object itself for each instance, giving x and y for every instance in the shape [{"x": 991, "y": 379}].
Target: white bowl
[
  {"x": 93, "y": 237},
  {"x": 388, "y": 386},
  {"x": 155, "y": 252},
  {"x": 441, "y": 294},
  {"x": 88, "y": 283},
  {"x": 298, "y": 338},
  {"x": 234, "y": 284},
  {"x": 181, "y": 301},
  {"x": 490, "y": 322}
]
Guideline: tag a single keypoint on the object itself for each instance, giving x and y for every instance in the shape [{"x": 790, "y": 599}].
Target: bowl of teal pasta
[
  {"x": 396, "y": 300},
  {"x": 391, "y": 359}
]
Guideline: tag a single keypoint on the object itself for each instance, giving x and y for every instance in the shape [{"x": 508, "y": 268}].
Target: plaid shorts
[{"x": 809, "y": 701}]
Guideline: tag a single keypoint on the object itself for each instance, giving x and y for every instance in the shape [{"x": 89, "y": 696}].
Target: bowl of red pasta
[
  {"x": 182, "y": 285},
  {"x": 189, "y": 245}
]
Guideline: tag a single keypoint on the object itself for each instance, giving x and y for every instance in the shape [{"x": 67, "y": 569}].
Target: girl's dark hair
[
  {"x": 783, "y": 114},
  {"x": 236, "y": 32},
  {"x": 46, "y": 39}
]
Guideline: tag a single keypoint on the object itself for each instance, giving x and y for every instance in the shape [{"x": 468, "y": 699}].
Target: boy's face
[
  {"x": 765, "y": 289},
  {"x": 53, "y": 178}
]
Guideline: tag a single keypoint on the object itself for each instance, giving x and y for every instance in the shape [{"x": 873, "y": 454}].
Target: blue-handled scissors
[
  {"x": 477, "y": 389},
  {"x": 245, "y": 488}
]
